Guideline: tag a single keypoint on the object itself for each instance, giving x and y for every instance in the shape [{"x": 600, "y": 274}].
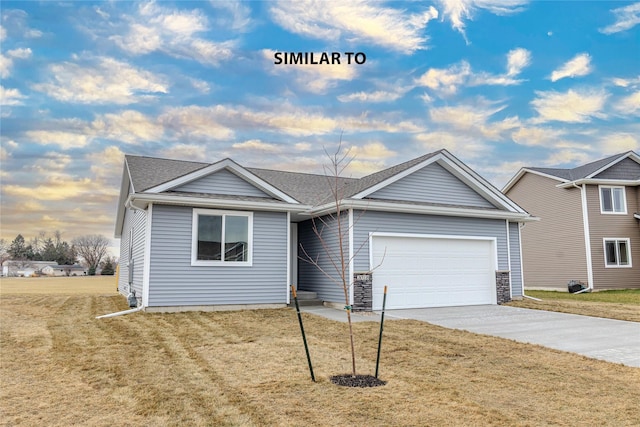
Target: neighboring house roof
[
  {"x": 155, "y": 179},
  {"x": 579, "y": 174}
]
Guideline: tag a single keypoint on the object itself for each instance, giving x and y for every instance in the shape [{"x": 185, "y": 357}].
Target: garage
[{"x": 433, "y": 271}]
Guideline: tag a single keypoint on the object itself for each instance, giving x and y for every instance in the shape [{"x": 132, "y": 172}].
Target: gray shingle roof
[
  {"x": 579, "y": 172},
  {"x": 147, "y": 172},
  {"x": 311, "y": 189}
]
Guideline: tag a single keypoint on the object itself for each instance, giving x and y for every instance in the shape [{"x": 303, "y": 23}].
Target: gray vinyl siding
[
  {"x": 626, "y": 169},
  {"x": 138, "y": 220},
  {"x": 222, "y": 182},
  {"x": 174, "y": 281},
  {"x": 516, "y": 271},
  {"x": 371, "y": 222},
  {"x": 310, "y": 276},
  {"x": 432, "y": 184}
]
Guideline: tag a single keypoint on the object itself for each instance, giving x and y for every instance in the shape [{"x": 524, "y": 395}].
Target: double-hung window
[
  {"x": 221, "y": 237},
  {"x": 617, "y": 253},
  {"x": 612, "y": 200}
]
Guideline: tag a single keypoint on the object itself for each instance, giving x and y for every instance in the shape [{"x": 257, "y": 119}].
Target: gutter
[{"x": 421, "y": 209}]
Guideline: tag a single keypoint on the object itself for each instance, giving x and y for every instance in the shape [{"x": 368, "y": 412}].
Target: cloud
[
  {"x": 173, "y": 32},
  {"x": 517, "y": 60},
  {"x": 101, "y": 80},
  {"x": 537, "y": 136},
  {"x": 626, "y": 18},
  {"x": 357, "y": 21},
  {"x": 191, "y": 152},
  {"x": 446, "y": 80},
  {"x": 10, "y": 96},
  {"x": 6, "y": 62},
  {"x": 371, "y": 151},
  {"x": 107, "y": 164},
  {"x": 579, "y": 65},
  {"x": 572, "y": 106},
  {"x": 239, "y": 14},
  {"x": 567, "y": 157},
  {"x": 457, "y": 11},
  {"x": 455, "y": 142},
  {"x": 313, "y": 78},
  {"x": 64, "y": 139},
  {"x": 629, "y": 105},
  {"x": 127, "y": 126},
  {"x": 620, "y": 82},
  {"x": 197, "y": 122},
  {"x": 619, "y": 142},
  {"x": 57, "y": 187},
  {"x": 3, "y": 33},
  {"x": 473, "y": 119},
  {"x": 257, "y": 145},
  {"x": 375, "y": 96},
  {"x": 21, "y": 53}
]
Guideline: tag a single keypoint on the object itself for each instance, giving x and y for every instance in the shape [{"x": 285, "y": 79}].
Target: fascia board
[
  {"x": 396, "y": 177},
  {"x": 421, "y": 209},
  {"x": 630, "y": 154},
  {"x": 232, "y": 167},
  {"x": 595, "y": 181},
  {"x": 478, "y": 183},
  {"x": 124, "y": 191},
  {"x": 141, "y": 200},
  {"x": 522, "y": 171}
]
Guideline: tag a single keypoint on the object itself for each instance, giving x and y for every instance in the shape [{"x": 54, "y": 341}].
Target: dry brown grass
[
  {"x": 61, "y": 366},
  {"x": 621, "y": 305},
  {"x": 58, "y": 285}
]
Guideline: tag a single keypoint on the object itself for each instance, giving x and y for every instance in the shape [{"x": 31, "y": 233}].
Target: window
[
  {"x": 612, "y": 200},
  {"x": 617, "y": 253},
  {"x": 221, "y": 237}
]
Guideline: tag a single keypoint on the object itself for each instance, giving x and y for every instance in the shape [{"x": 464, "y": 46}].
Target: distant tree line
[{"x": 92, "y": 249}]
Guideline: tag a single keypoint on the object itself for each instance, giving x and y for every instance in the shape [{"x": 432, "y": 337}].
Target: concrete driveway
[{"x": 615, "y": 341}]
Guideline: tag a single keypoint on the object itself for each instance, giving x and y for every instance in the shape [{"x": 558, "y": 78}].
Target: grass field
[
  {"x": 621, "y": 305},
  {"x": 60, "y": 366},
  {"x": 58, "y": 285}
]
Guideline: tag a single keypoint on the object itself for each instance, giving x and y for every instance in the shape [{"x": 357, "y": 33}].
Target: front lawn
[
  {"x": 619, "y": 304},
  {"x": 60, "y": 367}
]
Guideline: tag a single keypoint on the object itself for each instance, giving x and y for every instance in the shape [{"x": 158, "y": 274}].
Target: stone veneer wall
[{"x": 503, "y": 286}]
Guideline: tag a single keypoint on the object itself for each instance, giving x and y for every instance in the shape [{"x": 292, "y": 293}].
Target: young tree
[
  {"x": 107, "y": 265},
  {"x": 338, "y": 259},
  {"x": 92, "y": 248}
]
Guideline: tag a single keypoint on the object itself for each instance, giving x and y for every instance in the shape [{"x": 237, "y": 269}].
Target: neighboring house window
[
  {"x": 221, "y": 237},
  {"x": 617, "y": 253},
  {"x": 612, "y": 200}
]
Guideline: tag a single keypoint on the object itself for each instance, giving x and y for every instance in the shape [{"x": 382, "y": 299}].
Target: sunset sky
[{"x": 499, "y": 83}]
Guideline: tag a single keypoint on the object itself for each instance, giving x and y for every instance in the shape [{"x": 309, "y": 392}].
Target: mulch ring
[{"x": 349, "y": 380}]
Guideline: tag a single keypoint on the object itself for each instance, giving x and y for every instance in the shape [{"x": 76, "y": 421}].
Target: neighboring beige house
[
  {"x": 64, "y": 270},
  {"x": 589, "y": 228}
]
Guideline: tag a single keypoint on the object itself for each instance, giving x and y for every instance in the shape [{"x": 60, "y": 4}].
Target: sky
[{"x": 501, "y": 84}]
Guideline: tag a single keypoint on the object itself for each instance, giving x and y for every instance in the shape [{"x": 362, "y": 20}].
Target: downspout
[
  {"x": 520, "y": 227},
  {"x": 587, "y": 237},
  {"x": 121, "y": 313}
]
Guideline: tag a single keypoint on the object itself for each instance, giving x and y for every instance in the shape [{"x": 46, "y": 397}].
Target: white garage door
[{"x": 433, "y": 271}]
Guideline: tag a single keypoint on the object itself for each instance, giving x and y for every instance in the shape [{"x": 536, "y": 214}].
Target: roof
[
  {"x": 568, "y": 175},
  {"x": 155, "y": 179}
]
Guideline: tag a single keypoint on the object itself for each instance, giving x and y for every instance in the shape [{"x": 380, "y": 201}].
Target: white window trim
[
  {"x": 194, "y": 238},
  {"x": 624, "y": 199},
  {"x": 617, "y": 239}
]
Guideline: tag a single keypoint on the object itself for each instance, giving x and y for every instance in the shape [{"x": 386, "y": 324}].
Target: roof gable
[
  {"x": 619, "y": 166},
  {"x": 455, "y": 167},
  {"x": 432, "y": 184},
  {"x": 223, "y": 182}
]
